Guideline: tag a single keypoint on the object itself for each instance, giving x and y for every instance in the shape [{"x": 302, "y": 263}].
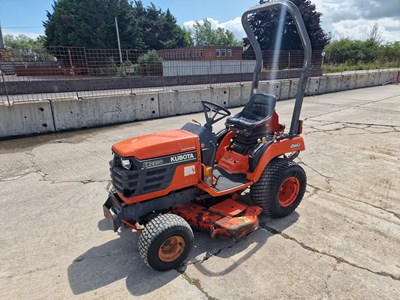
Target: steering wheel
[{"x": 212, "y": 110}]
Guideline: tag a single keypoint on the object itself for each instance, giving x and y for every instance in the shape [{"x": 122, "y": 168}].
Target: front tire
[
  {"x": 165, "y": 242},
  {"x": 280, "y": 188}
]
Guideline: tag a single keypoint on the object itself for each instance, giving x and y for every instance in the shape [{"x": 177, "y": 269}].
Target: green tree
[
  {"x": 352, "y": 51},
  {"x": 187, "y": 37},
  {"x": 150, "y": 64},
  {"x": 90, "y": 23},
  {"x": 265, "y": 27},
  {"x": 159, "y": 29},
  {"x": 204, "y": 34},
  {"x": 26, "y": 48},
  {"x": 374, "y": 35},
  {"x": 23, "y": 41}
]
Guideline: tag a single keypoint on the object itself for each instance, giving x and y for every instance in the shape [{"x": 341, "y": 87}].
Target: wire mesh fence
[
  {"x": 75, "y": 72},
  {"x": 334, "y": 63}
]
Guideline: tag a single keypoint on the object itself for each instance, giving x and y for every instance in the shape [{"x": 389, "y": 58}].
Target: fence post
[
  {"x": 72, "y": 72},
  {"x": 241, "y": 71},
  {"x": 5, "y": 85}
]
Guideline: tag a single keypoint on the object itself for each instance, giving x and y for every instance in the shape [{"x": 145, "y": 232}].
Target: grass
[{"x": 362, "y": 66}]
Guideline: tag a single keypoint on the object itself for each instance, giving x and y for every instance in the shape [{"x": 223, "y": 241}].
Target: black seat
[
  {"x": 251, "y": 123},
  {"x": 257, "y": 112}
]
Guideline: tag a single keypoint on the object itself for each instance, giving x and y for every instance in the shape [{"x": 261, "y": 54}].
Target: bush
[{"x": 150, "y": 64}]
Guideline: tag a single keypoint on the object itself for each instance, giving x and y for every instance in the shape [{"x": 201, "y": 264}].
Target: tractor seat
[{"x": 257, "y": 112}]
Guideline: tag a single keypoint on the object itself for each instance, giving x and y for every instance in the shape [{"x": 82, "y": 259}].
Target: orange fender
[{"x": 274, "y": 150}]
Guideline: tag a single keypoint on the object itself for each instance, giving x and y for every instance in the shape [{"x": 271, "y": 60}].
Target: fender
[{"x": 274, "y": 150}]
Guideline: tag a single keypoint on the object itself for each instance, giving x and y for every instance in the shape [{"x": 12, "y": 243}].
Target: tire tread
[
  {"x": 263, "y": 192},
  {"x": 160, "y": 224}
]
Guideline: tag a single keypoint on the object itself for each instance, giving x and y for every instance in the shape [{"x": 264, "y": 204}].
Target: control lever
[{"x": 195, "y": 121}]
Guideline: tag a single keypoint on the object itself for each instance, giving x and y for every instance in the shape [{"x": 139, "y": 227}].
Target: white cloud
[
  {"x": 359, "y": 29},
  {"x": 354, "y": 19},
  {"x": 234, "y": 25},
  {"x": 343, "y": 19},
  {"x": 15, "y": 33}
]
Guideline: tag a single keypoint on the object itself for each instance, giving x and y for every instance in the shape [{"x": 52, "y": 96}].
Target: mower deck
[{"x": 229, "y": 218}]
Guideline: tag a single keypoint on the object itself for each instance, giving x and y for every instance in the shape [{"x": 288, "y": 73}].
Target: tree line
[
  {"x": 356, "y": 52},
  {"x": 91, "y": 24}
]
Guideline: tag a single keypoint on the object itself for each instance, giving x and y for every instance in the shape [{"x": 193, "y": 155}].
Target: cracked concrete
[{"x": 342, "y": 242}]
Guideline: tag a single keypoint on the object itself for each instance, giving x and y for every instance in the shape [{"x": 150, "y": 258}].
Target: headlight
[{"x": 126, "y": 163}]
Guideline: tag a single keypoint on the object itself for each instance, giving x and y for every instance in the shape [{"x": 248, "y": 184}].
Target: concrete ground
[{"x": 343, "y": 241}]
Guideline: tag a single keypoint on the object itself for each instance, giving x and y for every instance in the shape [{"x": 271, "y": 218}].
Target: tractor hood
[{"x": 158, "y": 144}]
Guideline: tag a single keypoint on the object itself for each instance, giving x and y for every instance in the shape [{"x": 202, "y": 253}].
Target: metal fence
[{"x": 66, "y": 72}]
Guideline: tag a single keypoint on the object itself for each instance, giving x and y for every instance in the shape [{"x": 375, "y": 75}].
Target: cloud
[
  {"x": 354, "y": 19},
  {"x": 359, "y": 29},
  {"x": 32, "y": 35},
  {"x": 375, "y": 9},
  {"x": 234, "y": 25}
]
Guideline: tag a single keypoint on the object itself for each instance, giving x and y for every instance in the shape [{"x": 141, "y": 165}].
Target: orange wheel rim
[
  {"x": 171, "y": 248},
  {"x": 289, "y": 191}
]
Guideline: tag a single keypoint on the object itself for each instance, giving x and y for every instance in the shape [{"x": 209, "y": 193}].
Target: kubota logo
[
  {"x": 294, "y": 146},
  {"x": 182, "y": 157}
]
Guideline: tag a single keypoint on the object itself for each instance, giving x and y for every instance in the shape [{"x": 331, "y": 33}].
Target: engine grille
[
  {"x": 148, "y": 175},
  {"x": 135, "y": 181}
]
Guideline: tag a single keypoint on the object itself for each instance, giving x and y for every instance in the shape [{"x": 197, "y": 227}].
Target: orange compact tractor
[{"x": 168, "y": 182}]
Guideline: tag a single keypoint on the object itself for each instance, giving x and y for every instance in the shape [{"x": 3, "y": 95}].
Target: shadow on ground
[
  {"x": 226, "y": 248},
  {"x": 112, "y": 261},
  {"x": 119, "y": 258}
]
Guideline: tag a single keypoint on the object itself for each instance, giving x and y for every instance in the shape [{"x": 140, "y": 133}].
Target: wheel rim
[
  {"x": 171, "y": 248},
  {"x": 289, "y": 191}
]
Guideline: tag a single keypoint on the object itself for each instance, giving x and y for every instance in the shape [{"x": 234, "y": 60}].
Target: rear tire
[
  {"x": 165, "y": 242},
  {"x": 280, "y": 188}
]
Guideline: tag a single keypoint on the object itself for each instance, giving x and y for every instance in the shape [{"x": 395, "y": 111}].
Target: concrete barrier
[
  {"x": 26, "y": 119},
  {"x": 58, "y": 115},
  {"x": 384, "y": 77},
  {"x": 323, "y": 85},
  {"x": 183, "y": 102},
  {"x": 334, "y": 83},
  {"x": 99, "y": 111},
  {"x": 353, "y": 81},
  {"x": 285, "y": 89},
  {"x": 235, "y": 96},
  {"x": 270, "y": 87},
  {"x": 294, "y": 86},
  {"x": 312, "y": 86},
  {"x": 167, "y": 103},
  {"x": 246, "y": 91},
  {"x": 362, "y": 80},
  {"x": 373, "y": 78},
  {"x": 394, "y": 76},
  {"x": 220, "y": 96},
  {"x": 346, "y": 81}
]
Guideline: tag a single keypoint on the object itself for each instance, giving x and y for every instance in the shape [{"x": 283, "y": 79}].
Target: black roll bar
[{"x": 305, "y": 40}]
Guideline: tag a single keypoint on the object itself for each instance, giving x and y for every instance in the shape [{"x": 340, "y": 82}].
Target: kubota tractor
[{"x": 165, "y": 183}]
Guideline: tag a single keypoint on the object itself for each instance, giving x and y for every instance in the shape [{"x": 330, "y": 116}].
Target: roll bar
[{"x": 305, "y": 40}]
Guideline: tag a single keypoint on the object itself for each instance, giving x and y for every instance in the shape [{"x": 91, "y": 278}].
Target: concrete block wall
[
  {"x": 100, "y": 111},
  {"x": 28, "y": 118}
]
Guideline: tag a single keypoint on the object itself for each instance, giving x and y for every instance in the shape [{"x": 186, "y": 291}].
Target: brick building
[{"x": 203, "y": 53}]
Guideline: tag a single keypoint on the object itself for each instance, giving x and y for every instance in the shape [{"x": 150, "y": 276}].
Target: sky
[{"x": 342, "y": 18}]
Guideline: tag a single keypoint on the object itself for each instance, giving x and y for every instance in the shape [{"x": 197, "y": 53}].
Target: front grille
[{"x": 137, "y": 180}]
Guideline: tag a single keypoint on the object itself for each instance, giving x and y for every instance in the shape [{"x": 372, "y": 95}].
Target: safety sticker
[{"x": 189, "y": 170}]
